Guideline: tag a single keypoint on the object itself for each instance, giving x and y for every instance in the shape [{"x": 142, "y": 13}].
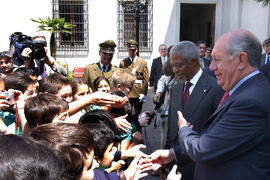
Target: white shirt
[
  {"x": 194, "y": 80},
  {"x": 106, "y": 66},
  {"x": 132, "y": 60},
  {"x": 163, "y": 59}
]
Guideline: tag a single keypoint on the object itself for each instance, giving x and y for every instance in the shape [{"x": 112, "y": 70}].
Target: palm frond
[
  {"x": 264, "y": 2},
  {"x": 54, "y": 25}
]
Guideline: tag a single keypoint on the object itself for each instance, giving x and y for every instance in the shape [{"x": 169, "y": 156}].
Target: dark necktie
[
  {"x": 268, "y": 59},
  {"x": 186, "y": 93},
  {"x": 103, "y": 68},
  {"x": 224, "y": 98}
]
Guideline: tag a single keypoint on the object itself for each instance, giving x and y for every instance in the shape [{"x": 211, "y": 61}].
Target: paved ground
[{"x": 151, "y": 134}]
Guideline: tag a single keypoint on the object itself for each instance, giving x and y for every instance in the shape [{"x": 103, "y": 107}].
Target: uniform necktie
[
  {"x": 186, "y": 93},
  {"x": 103, "y": 68},
  {"x": 224, "y": 98}
]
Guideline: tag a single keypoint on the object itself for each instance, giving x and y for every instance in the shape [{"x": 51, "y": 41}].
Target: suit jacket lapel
[
  {"x": 257, "y": 78},
  {"x": 263, "y": 59},
  {"x": 98, "y": 64},
  {"x": 176, "y": 103},
  {"x": 198, "y": 93},
  {"x": 159, "y": 63}
]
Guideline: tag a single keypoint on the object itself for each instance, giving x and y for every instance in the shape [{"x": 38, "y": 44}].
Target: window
[
  {"x": 127, "y": 11},
  {"x": 74, "y": 12}
]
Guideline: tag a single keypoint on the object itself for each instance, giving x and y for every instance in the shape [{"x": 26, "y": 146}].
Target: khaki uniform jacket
[
  {"x": 92, "y": 71},
  {"x": 139, "y": 68}
]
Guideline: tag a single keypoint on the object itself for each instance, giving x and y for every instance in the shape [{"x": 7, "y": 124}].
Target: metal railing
[{"x": 74, "y": 12}]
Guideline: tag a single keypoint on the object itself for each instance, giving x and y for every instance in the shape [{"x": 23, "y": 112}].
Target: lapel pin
[{"x": 204, "y": 90}]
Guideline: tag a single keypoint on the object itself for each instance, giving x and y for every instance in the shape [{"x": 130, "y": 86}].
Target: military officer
[
  {"x": 138, "y": 67},
  {"x": 103, "y": 67}
]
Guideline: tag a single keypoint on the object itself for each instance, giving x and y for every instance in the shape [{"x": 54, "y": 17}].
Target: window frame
[
  {"x": 145, "y": 25},
  {"x": 74, "y": 47}
]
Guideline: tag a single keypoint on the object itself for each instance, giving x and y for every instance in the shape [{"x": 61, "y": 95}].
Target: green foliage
[
  {"x": 54, "y": 25},
  {"x": 264, "y": 2}
]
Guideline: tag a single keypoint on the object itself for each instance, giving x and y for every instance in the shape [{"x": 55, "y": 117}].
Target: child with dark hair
[
  {"x": 44, "y": 108},
  {"x": 29, "y": 72},
  {"x": 23, "y": 158},
  {"x": 61, "y": 86},
  {"x": 21, "y": 82},
  {"x": 99, "y": 116},
  {"x": 73, "y": 143},
  {"x": 21, "y": 87},
  {"x": 79, "y": 88},
  {"x": 103, "y": 142},
  {"x": 102, "y": 84},
  {"x": 79, "y": 91},
  {"x": 100, "y": 123},
  {"x": 6, "y": 64},
  {"x": 103, "y": 128}
]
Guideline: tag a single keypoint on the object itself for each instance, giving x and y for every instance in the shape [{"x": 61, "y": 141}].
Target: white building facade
[{"x": 170, "y": 21}]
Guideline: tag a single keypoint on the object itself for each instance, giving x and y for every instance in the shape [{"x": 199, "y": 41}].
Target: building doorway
[{"x": 197, "y": 22}]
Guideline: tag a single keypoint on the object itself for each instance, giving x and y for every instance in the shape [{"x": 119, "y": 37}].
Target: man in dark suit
[
  {"x": 156, "y": 68},
  {"x": 204, "y": 62},
  {"x": 265, "y": 59},
  {"x": 266, "y": 71},
  {"x": 204, "y": 96},
  {"x": 236, "y": 145}
]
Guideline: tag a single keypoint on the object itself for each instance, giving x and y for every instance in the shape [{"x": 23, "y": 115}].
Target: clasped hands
[
  {"x": 161, "y": 157},
  {"x": 155, "y": 161}
]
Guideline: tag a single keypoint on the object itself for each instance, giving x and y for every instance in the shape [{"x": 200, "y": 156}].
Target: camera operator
[
  {"x": 6, "y": 64},
  {"x": 41, "y": 62}
]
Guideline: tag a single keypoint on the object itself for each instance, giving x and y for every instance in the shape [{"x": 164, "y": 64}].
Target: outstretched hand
[
  {"x": 122, "y": 124},
  {"x": 161, "y": 157},
  {"x": 173, "y": 175},
  {"x": 134, "y": 151},
  {"x": 103, "y": 99},
  {"x": 137, "y": 169},
  {"x": 182, "y": 121},
  {"x": 120, "y": 102}
]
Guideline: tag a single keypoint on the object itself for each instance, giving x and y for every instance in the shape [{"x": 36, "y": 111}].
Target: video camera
[
  {"x": 20, "y": 41},
  {"x": 150, "y": 115}
]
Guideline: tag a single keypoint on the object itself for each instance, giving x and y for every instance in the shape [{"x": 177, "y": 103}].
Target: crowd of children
[{"x": 92, "y": 132}]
